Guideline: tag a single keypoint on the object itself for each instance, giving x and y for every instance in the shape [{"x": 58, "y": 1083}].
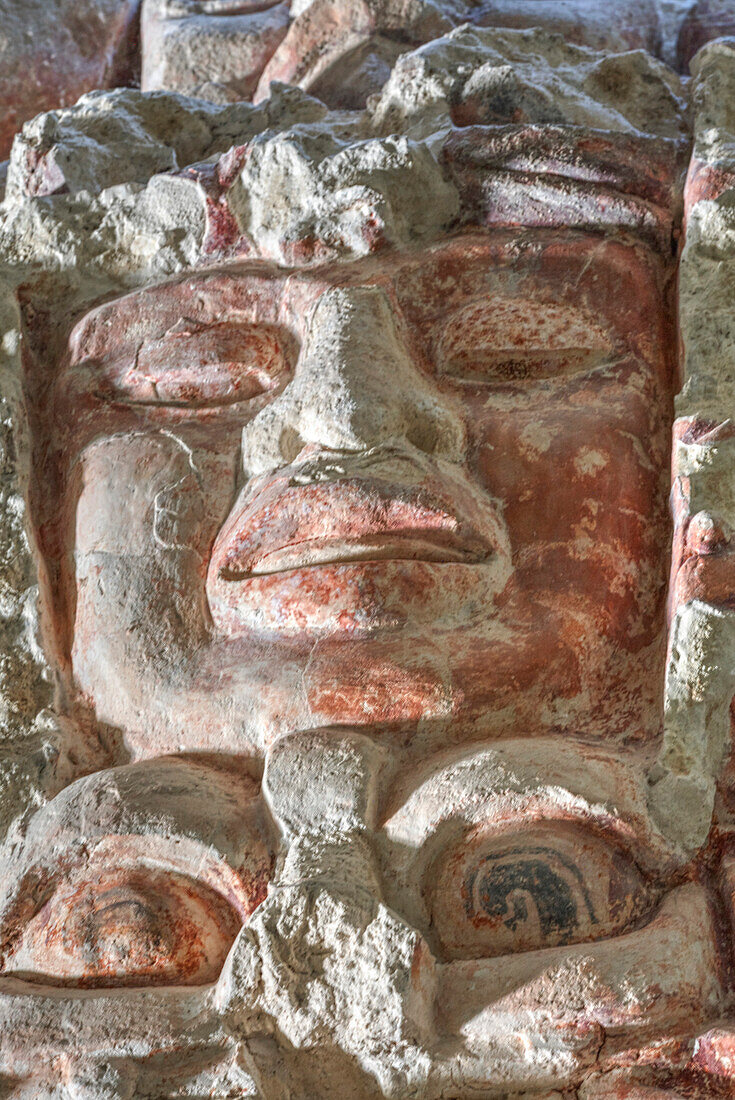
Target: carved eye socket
[
  {"x": 126, "y": 927},
  {"x": 519, "y": 339},
  {"x": 195, "y": 366},
  {"x": 547, "y": 886}
]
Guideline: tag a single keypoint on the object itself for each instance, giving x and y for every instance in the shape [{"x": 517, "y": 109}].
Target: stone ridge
[{"x": 304, "y": 182}]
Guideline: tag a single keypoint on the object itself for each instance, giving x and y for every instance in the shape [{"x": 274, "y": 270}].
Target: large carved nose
[
  {"x": 358, "y": 515},
  {"x": 356, "y": 386}
]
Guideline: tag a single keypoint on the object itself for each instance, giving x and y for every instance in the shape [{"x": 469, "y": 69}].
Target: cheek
[
  {"x": 137, "y": 496},
  {"x": 141, "y": 519},
  {"x": 584, "y": 492},
  {"x": 594, "y": 464}
]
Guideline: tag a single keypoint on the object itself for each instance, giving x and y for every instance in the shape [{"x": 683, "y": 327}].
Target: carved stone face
[
  {"x": 354, "y": 573},
  {"x": 367, "y": 477}
]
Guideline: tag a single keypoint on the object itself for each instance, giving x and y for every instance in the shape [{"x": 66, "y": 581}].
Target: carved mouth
[
  {"x": 357, "y": 542},
  {"x": 291, "y": 526}
]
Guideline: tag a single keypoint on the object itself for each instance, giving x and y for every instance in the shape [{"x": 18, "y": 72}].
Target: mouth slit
[{"x": 312, "y": 555}]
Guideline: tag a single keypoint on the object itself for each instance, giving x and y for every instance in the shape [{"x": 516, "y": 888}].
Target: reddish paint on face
[
  {"x": 127, "y": 927},
  {"x": 511, "y": 566}
]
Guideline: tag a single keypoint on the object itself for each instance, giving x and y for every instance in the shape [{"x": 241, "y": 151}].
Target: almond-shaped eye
[
  {"x": 514, "y": 339},
  {"x": 232, "y": 7},
  {"x": 195, "y": 366},
  {"x": 545, "y": 886},
  {"x": 126, "y": 927}
]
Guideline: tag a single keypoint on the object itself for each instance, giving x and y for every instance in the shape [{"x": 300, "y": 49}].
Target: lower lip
[{"x": 355, "y": 598}]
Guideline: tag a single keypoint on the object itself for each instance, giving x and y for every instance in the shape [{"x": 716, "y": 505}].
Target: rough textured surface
[
  {"x": 343, "y": 51},
  {"x": 219, "y": 46},
  {"x": 53, "y": 50},
  {"x": 705, "y": 20},
  {"x": 348, "y": 748}
]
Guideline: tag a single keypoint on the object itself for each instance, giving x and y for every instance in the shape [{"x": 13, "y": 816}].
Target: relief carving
[{"x": 377, "y": 736}]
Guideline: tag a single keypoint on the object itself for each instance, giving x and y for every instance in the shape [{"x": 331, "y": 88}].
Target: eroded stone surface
[
  {"x": 356, "y": 755},
  {"x": 215, "y": 45},
  {"x": 707, "y": 19},
  {"x": 344, "y": 51},
  {"x": 51, "y": 51}
]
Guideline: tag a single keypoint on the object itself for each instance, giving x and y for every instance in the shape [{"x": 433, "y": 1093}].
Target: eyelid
[
  {"x": 510, "y": 339},
  {"x": 199, "y": 367},
  {"x": 520, "y": 778},
  {"x": 178, "y": 815}
]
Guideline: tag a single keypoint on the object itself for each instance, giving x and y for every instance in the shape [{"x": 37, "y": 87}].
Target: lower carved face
[
  {"x": 412, "y": 462},
  {"x": 506, "y": 915}
]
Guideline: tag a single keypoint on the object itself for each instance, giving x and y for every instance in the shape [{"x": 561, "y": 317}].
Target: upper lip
[{"x": 337, "y": 509}]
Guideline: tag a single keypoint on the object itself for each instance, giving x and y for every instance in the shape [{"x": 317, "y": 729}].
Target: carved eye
[
  {"x": 511, "y": 340},
  {"x": 195, "y": 366},
  {"x": 126, "y": 927},
  {"x": 232, "y": 7},
  {"x": 549, "y": 885}
]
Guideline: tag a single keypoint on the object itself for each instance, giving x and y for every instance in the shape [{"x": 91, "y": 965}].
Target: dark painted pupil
[{"x": 499, "y": 888}]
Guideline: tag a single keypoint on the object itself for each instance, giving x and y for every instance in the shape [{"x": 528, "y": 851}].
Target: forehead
[{"x": 620, "y": 283}]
